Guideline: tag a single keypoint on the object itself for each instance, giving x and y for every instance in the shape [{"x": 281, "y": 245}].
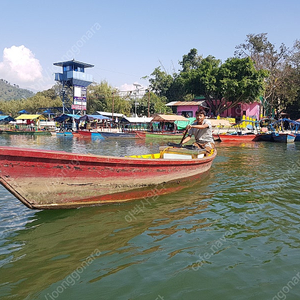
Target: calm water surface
[{"x": 234, "y": 235}]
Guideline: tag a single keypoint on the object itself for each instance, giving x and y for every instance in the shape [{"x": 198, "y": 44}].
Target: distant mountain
[{"x": 12, "y": 91}]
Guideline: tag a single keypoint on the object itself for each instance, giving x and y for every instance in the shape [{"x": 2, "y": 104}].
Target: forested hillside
[{"x": 10, "y": 91}]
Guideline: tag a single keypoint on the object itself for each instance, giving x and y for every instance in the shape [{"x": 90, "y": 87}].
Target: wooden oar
[
  {"x": 183, "y": 137},
  {"x": 180, "y": 144}
]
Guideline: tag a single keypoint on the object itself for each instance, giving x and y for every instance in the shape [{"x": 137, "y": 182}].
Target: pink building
[
  {"x": 189, "y": 108},
  {"x": 244, "y": 109}
]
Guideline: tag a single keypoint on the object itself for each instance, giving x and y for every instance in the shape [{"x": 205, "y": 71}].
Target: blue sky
[{"x": 127, "y": 40}]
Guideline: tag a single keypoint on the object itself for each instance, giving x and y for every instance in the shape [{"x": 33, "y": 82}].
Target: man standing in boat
[{"x": 202, "y": 132}]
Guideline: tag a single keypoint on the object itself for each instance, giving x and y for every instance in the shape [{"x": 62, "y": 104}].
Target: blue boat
[
  {"x": 287, "y": 124},
  {"x": 266, "y": 137},
  {"x": 297, "y": 138},
  {"x": 64, "y": 133},
  {"x": 282, "y": 137}
]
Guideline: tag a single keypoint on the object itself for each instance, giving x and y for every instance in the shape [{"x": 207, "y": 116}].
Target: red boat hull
[
  {"x": 237, "y": 138},
  {"x": 54, "y": 179}
]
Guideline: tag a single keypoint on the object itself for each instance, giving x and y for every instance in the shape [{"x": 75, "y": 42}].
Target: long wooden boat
[
  {"x": 283, "y": 137},
  {"x": 162, "y": 135},
  {"x": 237, "y": 137},
  {"x": 44, "y": 179},
  {"x": 26, "y": 132}
]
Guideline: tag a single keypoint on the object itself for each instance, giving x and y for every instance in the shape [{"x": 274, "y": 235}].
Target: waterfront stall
[
  {"x": 135, "y": 123},
  {"x": 93, "y": 122},
  {"x": 66, "y": 122},
  {"x": 167, "y": 123},
  {"x": 25, "y": 124},
  {"x": 29, "y": 122}
]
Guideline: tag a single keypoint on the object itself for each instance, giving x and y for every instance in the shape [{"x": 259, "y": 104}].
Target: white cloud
[
  {"x": 133, "y": 87},
  {"x": 19, "y": 66}
]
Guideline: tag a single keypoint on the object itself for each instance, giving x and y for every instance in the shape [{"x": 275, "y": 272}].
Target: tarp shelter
[
  {"x": 64, "y": 117},
  {"x": 6, "y": 118},
  {"x": 182, "y": 124},
  {"x": 99, "y": 117},
  {"x": 136, "y": 120},
  {"x": 23, "y": 111},
  {"x": 109, "y": 114},
  {"x": 47, "y": 111},
  {"x": 30, "y": 117}
]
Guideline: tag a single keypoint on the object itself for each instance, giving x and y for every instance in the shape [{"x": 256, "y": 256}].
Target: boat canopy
[
  {"x": 168, "y": 118},
  {"x": 280, "y": 121},
  {"x": 30, "y": 117},
  {"x": 286, "y": 120}
]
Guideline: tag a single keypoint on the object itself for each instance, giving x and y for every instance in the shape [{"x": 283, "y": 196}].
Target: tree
[
  {"x": 103, "y": 97},
  {"x": 160, "y": 82},
  {"x": 293, "y": 107},
  {"x": 265, "y": 56},
  {"x": 157, "y": 105},
  {"x": 239, "y": 82},
  {"x": 225, "y": 85},
  {"x": 202, "y": 81},
  {"x": 191, "y": 60}
]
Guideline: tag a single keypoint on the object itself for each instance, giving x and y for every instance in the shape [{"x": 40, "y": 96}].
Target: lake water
[{"x": 234, "y": 235}]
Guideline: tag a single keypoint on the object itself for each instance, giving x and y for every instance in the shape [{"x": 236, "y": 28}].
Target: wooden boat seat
[{"x": 181, "y": 153}]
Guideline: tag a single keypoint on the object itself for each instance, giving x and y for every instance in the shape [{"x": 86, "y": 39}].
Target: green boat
[
  {"x": 167, "y": 136},
  {"x": 20, "y": 132}
]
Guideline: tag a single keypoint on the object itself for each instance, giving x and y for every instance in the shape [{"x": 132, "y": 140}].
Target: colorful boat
[
  {"x": 237, "y": 137},
  {"x": 44, "y": 179},
  {"x": 283, "y": 137},
  {"x": 89, "y": 134}
]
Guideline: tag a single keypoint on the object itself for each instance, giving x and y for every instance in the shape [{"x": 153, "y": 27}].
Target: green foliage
[
  {"x": 275, "y": 61},
  {"x": 34, "y": 105},
  {"x": 156, "y": 105},
  {"x": 240, "y": 81},
  {"x": 161, "y": 82},
  {"x": 235, "y": 81},
  {"x": 103, "y": 97},
  {"x": 191, "y": 61}
]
